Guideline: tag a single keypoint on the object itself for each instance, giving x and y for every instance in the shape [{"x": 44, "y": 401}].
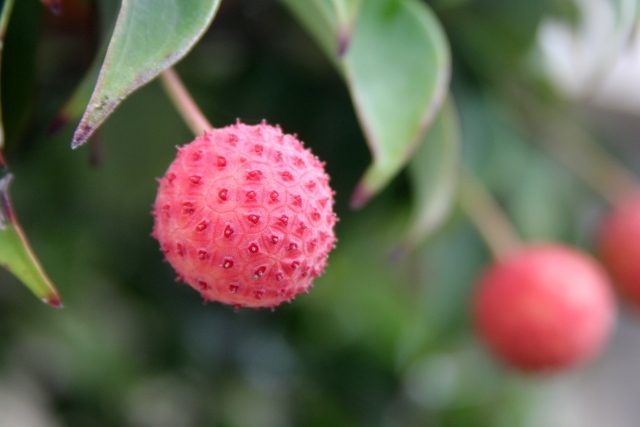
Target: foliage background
[{"x": 378, "y": 341}]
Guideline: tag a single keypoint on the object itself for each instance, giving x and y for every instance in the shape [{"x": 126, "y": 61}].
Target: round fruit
[
  {"x": 618, "y": 243},
  {"x": 245, "y": 215},
  {"x": 544, "y": 307}
]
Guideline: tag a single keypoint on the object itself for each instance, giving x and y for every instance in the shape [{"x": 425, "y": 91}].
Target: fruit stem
[
  {"x": 486, "y": 215},
  {"x": 184, "y": 103}
]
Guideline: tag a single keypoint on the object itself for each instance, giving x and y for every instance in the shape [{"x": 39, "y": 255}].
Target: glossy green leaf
[
  {"x": 149, "y": 37},
  {"x": 397, "y": 69},
  {"x": 16, "y": 254},
  {"x": 433, "y": 171}
]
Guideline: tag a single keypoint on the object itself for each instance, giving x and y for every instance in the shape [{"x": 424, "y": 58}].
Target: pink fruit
[
  {"x": 544, "y": 307},
  {"x": 245, "y": 215},
  {"x": 618, "y": 244}
]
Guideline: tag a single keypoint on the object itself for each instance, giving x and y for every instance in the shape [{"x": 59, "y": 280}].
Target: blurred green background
[{"x": 378, "y": 341}]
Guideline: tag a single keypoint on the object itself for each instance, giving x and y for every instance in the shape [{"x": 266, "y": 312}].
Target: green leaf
[
  {"x": 16, "y": 254},
  {"x": 397, "y": 68},
  {"x": 149, "y": 37},
  {"x": 433, "y": 171}
]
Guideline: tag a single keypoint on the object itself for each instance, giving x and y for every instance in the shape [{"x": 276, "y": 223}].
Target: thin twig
[
  {"x": 486, "y": 215},
  {"x": 184, "y": 103}
]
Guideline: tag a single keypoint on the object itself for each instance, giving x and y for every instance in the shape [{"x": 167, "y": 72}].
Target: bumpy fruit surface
[
  {"x": 618, "y": 243},
  {"x": 544, "y": 308},
  {"x": 245, "y": 215}
]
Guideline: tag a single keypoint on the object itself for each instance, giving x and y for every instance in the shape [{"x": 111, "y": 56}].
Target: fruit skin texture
[
  {"x": 245, "y": 215},
  {"x": 618, "y": 246},
  {"x": 544, "y": 308}
]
